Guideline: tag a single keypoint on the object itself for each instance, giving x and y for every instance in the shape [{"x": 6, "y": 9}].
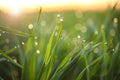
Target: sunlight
[
  {"x": 15, "y": 11},
  {"x": 16, "y": 6}
]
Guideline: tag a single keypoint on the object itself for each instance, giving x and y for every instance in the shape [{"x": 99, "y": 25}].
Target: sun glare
[
  {"x": 16, "y": 6},
  {"x": 15, "y": 11}
]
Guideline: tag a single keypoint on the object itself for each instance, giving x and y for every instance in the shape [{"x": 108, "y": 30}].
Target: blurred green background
[{"x": 80, "y": 30}]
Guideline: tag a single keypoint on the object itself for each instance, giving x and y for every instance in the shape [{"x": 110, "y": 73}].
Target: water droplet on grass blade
[
  {"x": 8, "y": 60},
  {"x": 38, "y": 51},
  {"x": 30, "y": 26},
  {"x": 61, "y": 20},
  {"x": 58, "y": 15},
  {"x": 78, "y": 36},
  {"x": 83, "y": 40},
  {"x": 3, "y": 32},
  {"x": 112, "y": 32},
  {"x": 36, "y": 37},
  {"x": 102, "y": 26},
  {"x": 23, "y": 43},
  {"x": 36, "y": 43},
  {"x": 105, "y": 42},
  {"x": 96, "y": 32},
  {"x": 113, "y": 49},
  {"x": 15, "y": 60},
  {"x": 83, "y": 29},
  {"x": 115, "y": 20},
  {"x": 96, "y": 50}
]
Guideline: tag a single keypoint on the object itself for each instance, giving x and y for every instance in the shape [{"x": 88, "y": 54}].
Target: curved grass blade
[
  {"x": 11, "y": 60},
  {"x": 93, "y": 62},
  {"x": 13, "y": 31}
]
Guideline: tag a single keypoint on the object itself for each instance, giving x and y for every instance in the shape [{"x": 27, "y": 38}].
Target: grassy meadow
[{"x": 69, "y": 45}]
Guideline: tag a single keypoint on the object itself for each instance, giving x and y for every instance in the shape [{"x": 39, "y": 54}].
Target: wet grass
[{"x": 89, "y": 52}]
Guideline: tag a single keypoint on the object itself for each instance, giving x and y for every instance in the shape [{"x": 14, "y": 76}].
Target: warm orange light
[
  {"x": 15, "y": 11},
  {"x": 16, "y": 6}
]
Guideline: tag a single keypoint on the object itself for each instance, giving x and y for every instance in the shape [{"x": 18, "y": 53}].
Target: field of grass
[{"x": 60, "y": 46}]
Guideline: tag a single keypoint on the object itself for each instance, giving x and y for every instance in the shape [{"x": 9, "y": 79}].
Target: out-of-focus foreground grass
[{"x": 60, "y": 46}]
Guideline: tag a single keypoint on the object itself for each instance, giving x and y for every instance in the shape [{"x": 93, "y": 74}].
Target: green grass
[{"x": 63, "y": 52}]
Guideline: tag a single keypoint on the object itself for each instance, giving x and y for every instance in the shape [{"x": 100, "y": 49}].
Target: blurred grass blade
[
  {"x": 39, "y": 15},
  {"x": 29, "y": 45},
  {"x": 49, "y": 47},
  {"x": 13, "y": 31},
  {"x": 61, "y": 67},
  {"x": 8, "y": 51},
  {"x": 92, "y": 63},
  {"x": 11, "y": 60},
  {"x": 52, "y": 57}
]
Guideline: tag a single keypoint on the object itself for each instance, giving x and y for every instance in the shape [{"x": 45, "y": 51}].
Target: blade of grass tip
[
  {"x": 49, "y": 47},
  {"x": 92, "y": 63},
  {"x": 39, "y": 15},
  {"x": 47, "y": 55},
  {"x": 8, "y": 51},
  {"x": 63, "y": 63},
  {"x": 13, "y": 31},
  {"x": 36, "y": 28},
  {"x": 11, "y": 60},
  {"x": 41, "y": 74},
  {"x": 50, "y": 66}
]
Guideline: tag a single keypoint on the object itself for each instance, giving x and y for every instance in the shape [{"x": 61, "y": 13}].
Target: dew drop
[
  {"x": 14, "y": 60},
  {"x": 105, "y": 42},
  {"x": 102, "y": 26},
  {"x": 78, "y": 36},
  {"x": 96, "y": 50},
  {"x": 23, "y": 43},
  {"x": 36, "y": 37},
  {"x": 58, "y": 15},
  {"x": 115, "y": 20},
  {"x": 61, "y": 20},
  {"x": 96, "y": 32},
  {"x": 83, "y": 40},
  {"x": 3, "y": 32},
  {"x": 113, "y": 49},
  {"x": 112, "y": 32},
  {"x": 83, "y": 29},
  {"x": 30, "y": 26},
  {"x": 15, "y": 47},
  {"x": 36, "y": 43},
  {"x": 8, "y": 60},
  {"x": 38, "y": 51}
]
